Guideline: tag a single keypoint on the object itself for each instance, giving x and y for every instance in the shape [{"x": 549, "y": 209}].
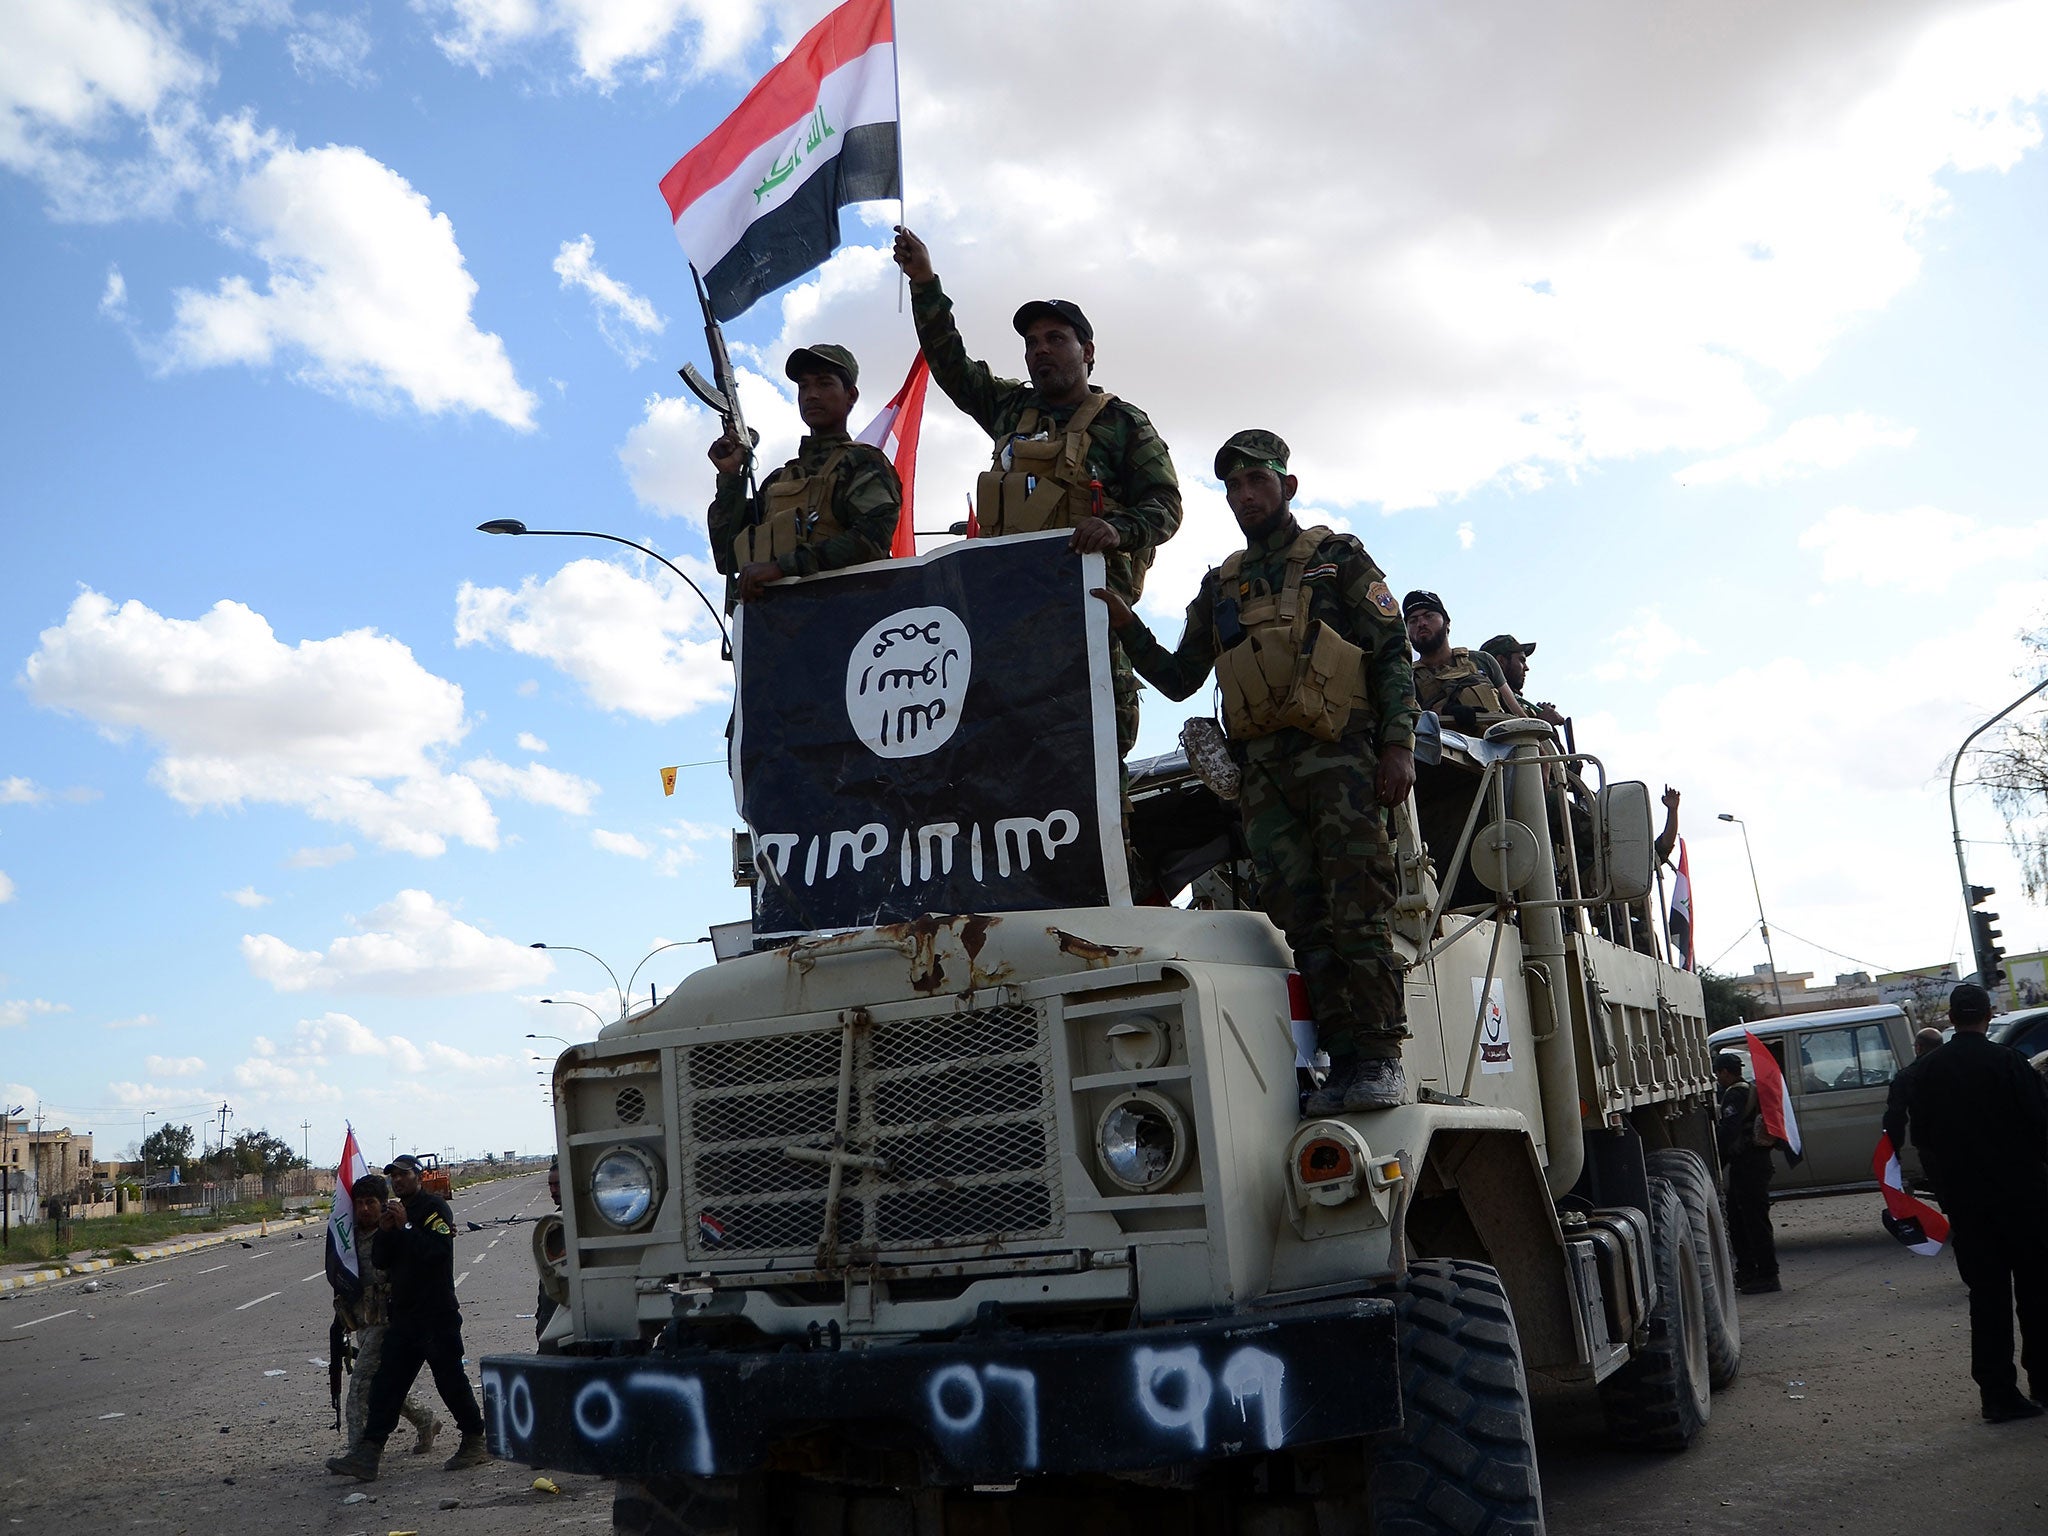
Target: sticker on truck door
[{"x": 1496, "y": 1045}]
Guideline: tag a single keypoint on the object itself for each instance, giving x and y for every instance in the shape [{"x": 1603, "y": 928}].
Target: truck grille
[{"x": 957, "y": 1107}]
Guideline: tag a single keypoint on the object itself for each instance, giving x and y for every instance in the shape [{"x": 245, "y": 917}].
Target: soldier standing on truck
[
  {"x": 1323, "y": 757},
  {"x": 1513, "y": 656},
  {"x": 1067, "y": 454},
  {"x": 835, "y": 504},
  {"x": 1467, "y": 689}
]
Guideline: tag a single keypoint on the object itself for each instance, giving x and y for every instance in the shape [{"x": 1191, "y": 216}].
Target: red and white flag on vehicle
[
  {"x": 1773, "y": 1097},
  {"x": 1681, "y": 925},
  {"x": 894, "y": 430},
  {"x": 756, "y": 205},
  {"x": 1913, "y": 1222},
  {"x": 344, "y": 1265}
]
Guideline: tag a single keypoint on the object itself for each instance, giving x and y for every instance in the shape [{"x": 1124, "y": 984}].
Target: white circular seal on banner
[{"x": 906, "y": 681}]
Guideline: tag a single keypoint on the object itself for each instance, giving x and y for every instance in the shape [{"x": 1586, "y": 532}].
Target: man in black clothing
[
  {"x": 416, "y": 1244},
  {"x": 1746, "y": 1155},
  {"x": 1979, "y": 1116},
  {"x": 1901, "y": 1093}
]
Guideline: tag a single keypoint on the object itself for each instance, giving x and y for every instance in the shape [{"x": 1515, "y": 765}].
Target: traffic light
[{"x": 1984, "y": 940}]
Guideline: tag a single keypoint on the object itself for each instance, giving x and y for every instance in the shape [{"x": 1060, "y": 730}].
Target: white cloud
[
  {"x": 312, "y": 1063},
  {"x": 536, "y": 783},
  {"x": 1466, "y": 537},
  {"x": 173, "y": 1066},
  {"x": 133, "y": 1021},
  {"x": 528, "y": 742},
  {"x": 1817, "y": 442},
  {"x": 346, "y": 729},
  {"x": 664, "y": 454},
  {"x": 365, "y": 291},
  {"x": 321, "y": 858},
  {"x": 332, "y": 45},
  {"x": 20, "y": 791},
  {"x": 625, "y": 844},
  {"x": 114, "y": 296},
  {"x": 15, "y": 1012},
  {"x": 604, "y": 35},
  {"x": 6, "y": 888},
  {"x": 641, "y": 644},
  {"x": 1922, "y": 547},
  {"x": 623, "y": 316},
  {"x": 412, "y": 945},
  {"x": 679, "y": 852},
  {"x": 1641, "y": 649},
  {"x": 248, "y": 896}
]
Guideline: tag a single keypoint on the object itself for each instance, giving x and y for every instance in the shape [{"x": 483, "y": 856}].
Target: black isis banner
[{"x": 929, "y": 736}]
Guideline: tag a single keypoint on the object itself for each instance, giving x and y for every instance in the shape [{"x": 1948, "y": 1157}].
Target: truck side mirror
[{"x": 1630, "y": 845}]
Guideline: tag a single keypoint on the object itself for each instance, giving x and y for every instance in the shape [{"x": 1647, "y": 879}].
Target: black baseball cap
[
  {"x": 1427, "y": 601},
  {"x": 1065, "y": 310},
  {"x": 1969, "y": 1003},
  {"x": 822, "y": 355},
  {"x": 404, "y": 1160},
  {"x": 1728, "y": 1061},
  {"x": 1507, "y": 645}
]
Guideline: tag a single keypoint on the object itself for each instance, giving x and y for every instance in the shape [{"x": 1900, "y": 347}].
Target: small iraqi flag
[
  {"x": 894, "y": 430},
  {"x": 1773, "y": 1097},
  {"x": 1913, "y": 1222},
  {"x": 344, "y": 1262},
  {"x": 756, "y": 205}
]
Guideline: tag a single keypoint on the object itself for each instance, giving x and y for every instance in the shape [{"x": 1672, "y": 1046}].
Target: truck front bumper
[{"x": 984, "y": 1408}]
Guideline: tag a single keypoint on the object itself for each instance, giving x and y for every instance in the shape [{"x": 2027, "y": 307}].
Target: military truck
[{"x": 1013, "y": 1220}]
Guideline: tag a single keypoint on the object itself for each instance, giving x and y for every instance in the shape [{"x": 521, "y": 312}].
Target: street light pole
[
  {"x": 672, "y": 944},
  {"x": 1777, "y": 992},
  {"x": 512, "y": 525},
  {"x": 571, "y": 948},
  {"x": 1955, "y": 827}
]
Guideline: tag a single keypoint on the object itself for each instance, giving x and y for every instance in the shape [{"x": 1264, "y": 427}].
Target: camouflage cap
[
  {"x": 1254, "y": 445},
  {"x": 1427, "y": 601},
  {"x": 1507, "y": 645},
  {"x": 822, "y": 354},
  {"x": 1064, "y": 310}
]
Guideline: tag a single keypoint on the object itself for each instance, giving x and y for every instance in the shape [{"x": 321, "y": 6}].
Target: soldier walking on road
[
  {"x": 1978, "y": 1113},
  {"x": 416, "y": 1243},
  {"x": 1746, "y": 1158},
  {"x": 367, "y": 1319},
  {"x": 1067, "y": 454},
  {"x": 1323, "y": 757},
  {"x": 835, "y": 504}
]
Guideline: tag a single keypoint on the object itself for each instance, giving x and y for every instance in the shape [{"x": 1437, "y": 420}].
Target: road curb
[{"x": 145, "y": 1255}]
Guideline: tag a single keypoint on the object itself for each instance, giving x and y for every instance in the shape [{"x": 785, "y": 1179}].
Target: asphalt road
[
  {"x": 190, "y": 1395},
  {"x": 146, "y": 1405}
]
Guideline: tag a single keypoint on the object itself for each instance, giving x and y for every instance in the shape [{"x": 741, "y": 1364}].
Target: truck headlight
[
  {"x": 623, "y": 1187},
  {"x": 1142, "y": 1141}
]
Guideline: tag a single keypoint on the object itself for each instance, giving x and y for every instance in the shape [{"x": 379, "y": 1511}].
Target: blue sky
[{"x": 1712, "y": 368}]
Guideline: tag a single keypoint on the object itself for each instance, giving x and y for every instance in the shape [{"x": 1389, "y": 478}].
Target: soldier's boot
[
  {"x": 1329, "y": 1099},
  {"x": 360, "y": 1463},
  {"x": 470, "y": 1453},
  {"x": 424, "y": 1428},
  {"x": 1379, "y": 1083}
]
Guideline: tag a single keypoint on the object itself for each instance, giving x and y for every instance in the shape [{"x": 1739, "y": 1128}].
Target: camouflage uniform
[
  {"x": 1141, "y": 492},
  {"x": 367, "y": 1321},
  {"x": 1320, "y": 838},
  {"x": 866, "y": 498}
]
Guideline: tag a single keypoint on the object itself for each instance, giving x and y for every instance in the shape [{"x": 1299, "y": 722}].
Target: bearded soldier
[
  {"x": 1319, "y": 706},
  {"x": 835, "y": 504},
  {"x": 1067, "y": 454},
  {"x": 1467, "y": 689}
]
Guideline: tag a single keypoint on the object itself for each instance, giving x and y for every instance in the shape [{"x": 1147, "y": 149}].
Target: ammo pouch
[
  {"x": 796, "y": 510},
  {"x": 1469, "y": 687},
  {"x": 1046, "y": 484},
  {"x": 1287, "y": 670}
]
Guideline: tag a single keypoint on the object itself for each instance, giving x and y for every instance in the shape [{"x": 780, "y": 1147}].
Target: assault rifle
[{"x": 721, "y": 392}]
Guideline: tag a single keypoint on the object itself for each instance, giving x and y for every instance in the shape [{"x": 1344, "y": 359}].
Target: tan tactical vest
[
  {"x": 1277, "y": 675},
  {"x": 1045, "y": 481},
  {"x": 796, "y": 509},
  {"x": 1461, "y": 680}
]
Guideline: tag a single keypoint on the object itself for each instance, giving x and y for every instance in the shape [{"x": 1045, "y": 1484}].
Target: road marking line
[
  {"x": 245, "y": 1306},
  {"x": 314, "y": 1276},
  {"x": 46, "y": 1317},
  {"x": 263, "y": 1253},
  {"x": 458, "y": 1280},
  {"x": 141, "y": 1288},
  {"x": 215, "y": 1270},
  {"x": 121, "y": 1415}
]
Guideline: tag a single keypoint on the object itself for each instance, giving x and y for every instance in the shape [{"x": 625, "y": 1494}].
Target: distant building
[
  {"x": 1763, "y": 988},
  {"x": 42, "y": 1165}
]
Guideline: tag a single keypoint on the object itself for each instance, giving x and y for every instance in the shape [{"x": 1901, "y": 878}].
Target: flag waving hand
[
  {"x": 344, "y": 1265},
  {"x": 757, "y": 203}
]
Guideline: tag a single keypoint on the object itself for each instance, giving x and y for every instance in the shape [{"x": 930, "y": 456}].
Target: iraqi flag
[
  {"x": 1913, "y": 1222},
  {"x": 1773, "y": 1097},
  {"x": 1681, "y": 909},
  {"x": 894, "y": 430},
  {"x": 344, "y": 1263},
  {"x": 756, "y": 205}
]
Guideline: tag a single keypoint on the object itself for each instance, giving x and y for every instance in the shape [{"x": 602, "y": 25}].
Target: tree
[
  {"x": 1725, "y": 1000},
  {"x": 2015, "y": 768},
  {"x": 258, "y": 1151},
  {"x": 168, "y": 1147}
]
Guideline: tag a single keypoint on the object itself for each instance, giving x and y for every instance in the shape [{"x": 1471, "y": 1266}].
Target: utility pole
[
  {"x": 224, "y": 1113},
  {"x": 306, "y": 1132}
]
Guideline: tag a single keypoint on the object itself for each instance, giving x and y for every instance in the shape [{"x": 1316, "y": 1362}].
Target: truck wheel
[
  {"x": 1659, "y": 1400},
  {"x": 1695, "y": 1186},
  {"x": 677, "y": 1506},
  {"x": 1464, "y": 1460}
]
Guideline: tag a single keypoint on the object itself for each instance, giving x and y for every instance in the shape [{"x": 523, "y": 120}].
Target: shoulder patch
[
  {"x": 1313, "y": 571},
  {"x": 1378, "y": 595},
  {"x": 437, "y": 1226}
]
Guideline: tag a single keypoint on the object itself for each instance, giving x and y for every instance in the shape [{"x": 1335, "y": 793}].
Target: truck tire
[
  {"x": 1659, "y": 1400},
  {"x": 1695, "y": 1186},
  {"x": 1464, "y": 1461}
]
